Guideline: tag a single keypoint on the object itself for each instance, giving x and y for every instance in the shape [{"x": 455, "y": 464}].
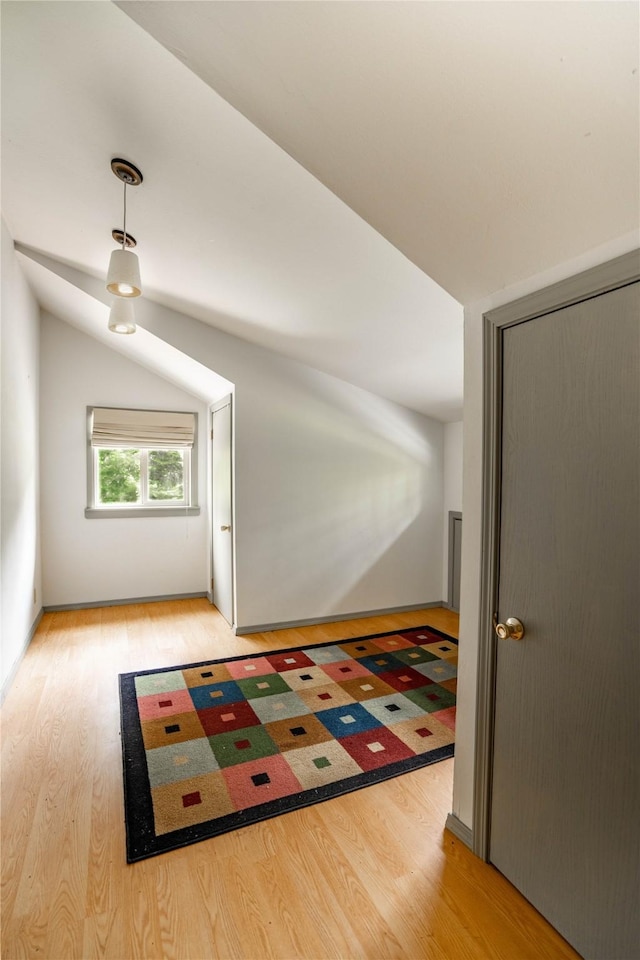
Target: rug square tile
[
  {"x": 187, "y": 802},
  {"x": 450, "y": 685},
  {"x": 345, "y": 670},
  {"x": 260, "y": 781},
  {"x": 367, "y": 688},
  {"x": 424, "y": 733},
  {"x": 329, "y": 654},
  {"x": 206, "y": 675},
  {"x": 265, "y": 685},
  {"x": 380, "y": 662},
  {"x": 442, "y": 648},
  {"x": 251, "y": 667},
  {"x": 373, "y": 749},
  {"x": 405, "y": 678},
  {"x": 447, "y": 717},
  {"x": 392, "y": 709},
  {"x": 421, "y": 635},
  {"x": 303, "y": 679},
  {"x": 180, "y": 761},
  {"x": 291, "y": 660},
  {"x": 298, "y": 732},
  {"x": 164, "y": 682},
  {"x": 242, "y": 746},
  {"x": 279, "y": 707},
  {"x": 216, "y": 694},
  {"x": 432, "y": 698},
  {"x": 325, "y": 698},
  {"x": 323, "y": 763},
  {"x": 164, "y": 731},
  {"x": 156, "y": 705},
  {"x": 394, "y": 642},
  {"x": 233, "y": 716},
  {"x": 360, "y": 648},
  {"x": 412, "y": 656},
  {"x": 348, "y": 720},
  {"x": 437, "y": 670},
  {"x": 425, "y": 635}
]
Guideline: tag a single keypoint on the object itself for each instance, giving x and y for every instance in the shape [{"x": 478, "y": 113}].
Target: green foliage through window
[
  {"x": 119, "y": 476},
  {"x": 140, "y": 476},
  {"x": 166, "y": 475}
]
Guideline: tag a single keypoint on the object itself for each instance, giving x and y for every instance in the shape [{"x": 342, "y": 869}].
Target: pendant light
[
  {"x": 121, "y": 316},
  {"x": 123, "y": 278}
]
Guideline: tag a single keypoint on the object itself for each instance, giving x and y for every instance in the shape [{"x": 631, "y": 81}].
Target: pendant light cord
[{"x": 124, "y": 229}]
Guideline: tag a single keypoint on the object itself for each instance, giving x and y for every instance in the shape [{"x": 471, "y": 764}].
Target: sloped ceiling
[
  {"x": 488, "y": 141},
  {"x": 89, "y": 315},
  {"x": 230, "y": 229},
  {"x": 330, "y": 180}
]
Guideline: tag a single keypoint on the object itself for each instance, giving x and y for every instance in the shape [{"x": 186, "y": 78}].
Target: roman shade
[{"x": 111, "y": 427}]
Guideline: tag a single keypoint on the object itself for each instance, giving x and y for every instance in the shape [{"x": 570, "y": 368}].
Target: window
[
  {"x": 125, "y": 475},
  {"x": 141, "y": 463}
]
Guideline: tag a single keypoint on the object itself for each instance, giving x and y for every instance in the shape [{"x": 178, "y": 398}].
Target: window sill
[{"x": 120, "y": 513}]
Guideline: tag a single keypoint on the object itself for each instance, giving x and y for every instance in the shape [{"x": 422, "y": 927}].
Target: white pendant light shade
[
  {"x": 123, "y": 278},
  {"x": 122, "y": 318}
]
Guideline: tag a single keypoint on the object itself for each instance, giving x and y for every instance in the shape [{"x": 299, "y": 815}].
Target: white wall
[
  {"x": 472, "y": 505},
  {"x": 338, "y": 500},
  {"x": 20, "y": 568},
  {"x": 107, "y": 559},
  {"x": 338, "y": 493},
  {"x": 452, "y": 490}
]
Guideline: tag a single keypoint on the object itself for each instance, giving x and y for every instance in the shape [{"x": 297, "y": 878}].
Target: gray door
[
  {"x": 565, "y": 793},
  {"x": 455, "y": 559},
  {"x": 222, "y": 532}
]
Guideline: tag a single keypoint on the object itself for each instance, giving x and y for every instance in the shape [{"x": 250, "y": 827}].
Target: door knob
[
  {"x": 226, "y": 527},
  {"x": 513, "y": 629}
]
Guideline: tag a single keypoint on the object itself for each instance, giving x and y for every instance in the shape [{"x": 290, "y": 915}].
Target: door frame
[
  {"x": 226, "y": 401},
  {"x": 591, "y": 283}
]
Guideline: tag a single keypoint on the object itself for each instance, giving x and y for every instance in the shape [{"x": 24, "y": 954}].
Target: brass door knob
[{"x": 513, "y": 629}]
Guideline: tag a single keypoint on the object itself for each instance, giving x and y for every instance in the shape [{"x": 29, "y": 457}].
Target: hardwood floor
[{"x": 369, "y": 875}]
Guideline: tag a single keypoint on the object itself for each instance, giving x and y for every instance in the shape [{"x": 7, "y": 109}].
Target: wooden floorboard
[{"x": 369, "y": 875}]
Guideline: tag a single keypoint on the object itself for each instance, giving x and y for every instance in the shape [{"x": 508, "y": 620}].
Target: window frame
[{"x": 152, "y": 508}]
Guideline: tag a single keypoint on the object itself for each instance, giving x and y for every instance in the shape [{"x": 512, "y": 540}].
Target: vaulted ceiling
[
  {"x": 487, "y": 140},
  {"x": 331, "y": 180}
]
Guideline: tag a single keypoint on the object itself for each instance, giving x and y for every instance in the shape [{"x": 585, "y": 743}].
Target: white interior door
[
  {"x": 566, "y": 782},
  {"x": 222, "y": 508}
]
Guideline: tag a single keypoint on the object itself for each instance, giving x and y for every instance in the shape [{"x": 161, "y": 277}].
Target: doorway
[{"x": 222, "y": 538}]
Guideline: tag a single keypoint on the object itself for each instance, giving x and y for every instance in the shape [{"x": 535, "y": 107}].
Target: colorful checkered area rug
[{"x": 213, "y": 746}]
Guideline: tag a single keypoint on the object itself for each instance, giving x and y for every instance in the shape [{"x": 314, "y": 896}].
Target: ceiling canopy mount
[
  {"x": 127, "y": 172},
  {"x": 124, "y": 239}
]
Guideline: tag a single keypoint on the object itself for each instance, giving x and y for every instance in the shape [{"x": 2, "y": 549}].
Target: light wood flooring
[{"x": 369, "y": 875}]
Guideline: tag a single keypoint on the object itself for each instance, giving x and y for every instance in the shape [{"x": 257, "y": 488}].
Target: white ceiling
[
  {"x": 230, "y": 229},
  {"x": 59, "y": 297},
  {"x": 487, "y": 140},
  {"x": 484, "y": 141}
]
